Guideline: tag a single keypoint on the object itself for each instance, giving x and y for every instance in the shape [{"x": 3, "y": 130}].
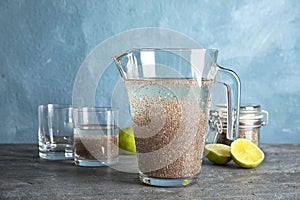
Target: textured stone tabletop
[{"x": 25, "y": 176}]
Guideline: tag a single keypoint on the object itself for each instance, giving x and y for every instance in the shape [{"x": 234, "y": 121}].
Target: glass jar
[{"x": 252, "y": 117}]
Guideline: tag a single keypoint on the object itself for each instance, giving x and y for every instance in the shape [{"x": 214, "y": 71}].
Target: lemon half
[{"x": 245, "y": 153}]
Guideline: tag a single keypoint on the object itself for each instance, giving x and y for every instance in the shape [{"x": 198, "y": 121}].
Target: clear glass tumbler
[
  {"x": 96, "y": 141},
  {"x": 55, "y": 132}
]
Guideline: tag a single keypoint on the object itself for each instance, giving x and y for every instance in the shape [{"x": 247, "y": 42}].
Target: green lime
[
  {"x": 126, "y": 140},
  {"x": 245, "y": 153},
  {"x": 217, "y": 153}
]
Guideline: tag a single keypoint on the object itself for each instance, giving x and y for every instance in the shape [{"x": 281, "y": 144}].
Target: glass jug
[{"x": 169, "y": 93}]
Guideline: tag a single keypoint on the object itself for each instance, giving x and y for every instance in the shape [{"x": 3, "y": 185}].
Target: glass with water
[{"x": 96, "y": 136}]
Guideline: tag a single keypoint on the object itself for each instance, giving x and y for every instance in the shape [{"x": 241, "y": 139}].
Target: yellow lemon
[
  {"x": 126, "y": 140},
  {"x": 217, "y": 153},
  {"x": 245, "y": 153}
]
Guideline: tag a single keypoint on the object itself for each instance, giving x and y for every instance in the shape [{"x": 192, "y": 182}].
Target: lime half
[
  {"x": 217, "y": 153},
  {"x": 126, "y": 140},
  {"x": 245, "y": 153}
]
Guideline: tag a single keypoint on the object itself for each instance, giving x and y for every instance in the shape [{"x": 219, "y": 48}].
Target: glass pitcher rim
[
  {"x": 55, "y": 106},
  {"x": 117, "y": 57}
]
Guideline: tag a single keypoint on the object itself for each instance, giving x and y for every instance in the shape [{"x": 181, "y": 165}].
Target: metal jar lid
[{"x": 251, "y": 116}]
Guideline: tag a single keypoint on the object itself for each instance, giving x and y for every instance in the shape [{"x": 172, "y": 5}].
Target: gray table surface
[{"x": 25, "y": 176}]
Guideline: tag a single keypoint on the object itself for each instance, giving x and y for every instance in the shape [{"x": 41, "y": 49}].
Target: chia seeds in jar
[{"x": 252, "y": 118}]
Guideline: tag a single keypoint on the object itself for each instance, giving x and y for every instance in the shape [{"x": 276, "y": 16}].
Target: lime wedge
[
  {"x": 245, "y": 153},
  {"x": 217, "y": 153},
  {"x": 126, "y": 140}
]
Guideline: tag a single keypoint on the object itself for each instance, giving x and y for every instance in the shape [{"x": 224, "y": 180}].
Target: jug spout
[{"x": 117, "y": 61}]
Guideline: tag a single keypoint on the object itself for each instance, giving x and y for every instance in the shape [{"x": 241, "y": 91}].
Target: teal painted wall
[{"x": 44, "y": 42}]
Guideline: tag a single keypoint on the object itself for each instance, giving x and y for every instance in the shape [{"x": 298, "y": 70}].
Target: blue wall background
[{"x": 44, "y": 42}]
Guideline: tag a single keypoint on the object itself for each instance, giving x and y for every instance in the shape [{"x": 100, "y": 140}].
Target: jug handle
[{"x": 233, "y": 93}]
